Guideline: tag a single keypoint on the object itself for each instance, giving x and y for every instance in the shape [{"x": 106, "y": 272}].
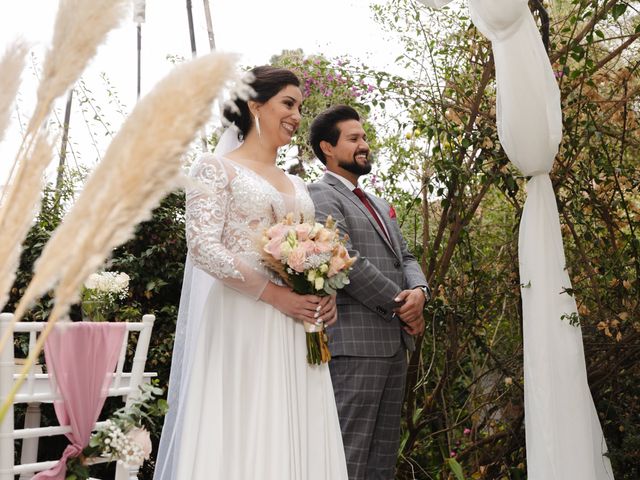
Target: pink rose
[
  {"x": 303, "y": 230},
  {"x": 309, "y": 247},
  {"x": 278, "y": 231},
  {"x": 296, "y": 259},
  {"x": 274, "y": 248},
  {"x": 323, "y": 246},
  {"x": 141, "y": 437}
]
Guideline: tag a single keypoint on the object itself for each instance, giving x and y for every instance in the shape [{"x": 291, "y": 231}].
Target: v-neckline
[{"x": 256, "y": 174}]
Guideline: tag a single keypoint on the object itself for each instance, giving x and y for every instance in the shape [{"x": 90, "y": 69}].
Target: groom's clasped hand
[{"x": 410, "y": 311}]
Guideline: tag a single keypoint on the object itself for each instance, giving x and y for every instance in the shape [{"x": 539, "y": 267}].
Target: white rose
[{"x": 141, "y": 437}]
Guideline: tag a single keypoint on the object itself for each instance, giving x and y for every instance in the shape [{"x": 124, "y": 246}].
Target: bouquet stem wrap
[{"x": 317, "y": 344}]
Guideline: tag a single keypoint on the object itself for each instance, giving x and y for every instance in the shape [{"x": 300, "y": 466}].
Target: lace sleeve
[{"x": 206, "y": 211}]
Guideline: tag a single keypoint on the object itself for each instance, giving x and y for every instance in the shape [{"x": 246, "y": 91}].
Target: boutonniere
[{"x": 392, "y": 212}]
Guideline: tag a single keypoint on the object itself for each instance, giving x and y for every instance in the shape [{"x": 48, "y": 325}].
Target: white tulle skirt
[{"x": 253, "y": 407}]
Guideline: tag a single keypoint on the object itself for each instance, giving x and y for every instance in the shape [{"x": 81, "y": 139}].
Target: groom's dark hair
[{"x": 325, "y": 127}]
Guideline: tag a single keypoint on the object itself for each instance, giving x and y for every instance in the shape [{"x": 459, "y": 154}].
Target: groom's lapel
[{"x": 344, "y": 190}]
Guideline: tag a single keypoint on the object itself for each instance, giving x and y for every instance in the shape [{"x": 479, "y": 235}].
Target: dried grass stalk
[
  {"x": 11, "y": 67},
  {"x": 20, "y": 217},
  {"x": 141, "y": 165},
  {"x": 80, "y": 27}
]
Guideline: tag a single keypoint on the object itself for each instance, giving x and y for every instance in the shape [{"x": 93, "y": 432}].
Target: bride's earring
[{"x": 258, "y": 125}]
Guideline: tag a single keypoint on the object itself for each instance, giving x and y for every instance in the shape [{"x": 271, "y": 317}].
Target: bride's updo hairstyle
[{"x": 267, "y": 82}]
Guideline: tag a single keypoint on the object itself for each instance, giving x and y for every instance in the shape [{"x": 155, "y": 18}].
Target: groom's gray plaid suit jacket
[{"x": 366, "y": 324}]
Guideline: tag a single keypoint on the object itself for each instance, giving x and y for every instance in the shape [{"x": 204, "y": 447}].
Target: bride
[{"x": 243, "y": 402}]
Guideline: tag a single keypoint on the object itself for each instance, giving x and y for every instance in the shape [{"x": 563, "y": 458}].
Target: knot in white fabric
[{"x": 536, "y": 173}]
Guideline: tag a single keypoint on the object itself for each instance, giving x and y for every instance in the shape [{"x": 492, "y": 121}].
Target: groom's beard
[{"x": 354, "y": 167}]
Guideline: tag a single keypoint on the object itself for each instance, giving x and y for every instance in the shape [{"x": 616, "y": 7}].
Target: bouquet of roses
[
  {"x": 312, "y": 259},
  {"x": 101, "y": 292}
]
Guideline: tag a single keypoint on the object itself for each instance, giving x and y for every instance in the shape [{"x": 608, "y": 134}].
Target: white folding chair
[{"x": 36, "y": 390}]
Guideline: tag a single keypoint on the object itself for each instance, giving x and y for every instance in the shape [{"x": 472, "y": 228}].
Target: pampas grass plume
[
  {"x": 11, "y": 67},
  {"x": 20, "y": 216},
  {"x": 141, "y": 165},
  {"x": 80, "y": 27}
]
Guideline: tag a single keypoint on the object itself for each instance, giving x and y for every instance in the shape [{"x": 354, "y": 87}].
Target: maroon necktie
[{"x": 363, "y": 198}]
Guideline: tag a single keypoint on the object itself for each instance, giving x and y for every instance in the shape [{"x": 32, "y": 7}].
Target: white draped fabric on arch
[{"x": 563, "y": 433}]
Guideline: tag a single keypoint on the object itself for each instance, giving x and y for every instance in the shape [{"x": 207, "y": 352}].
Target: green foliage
[{"x": 456, "y": 468}]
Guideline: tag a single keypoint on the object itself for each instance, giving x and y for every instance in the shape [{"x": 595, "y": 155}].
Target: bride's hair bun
[{"x": 266, "y": 82}]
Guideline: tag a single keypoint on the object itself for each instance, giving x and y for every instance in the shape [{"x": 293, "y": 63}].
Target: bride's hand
[
  {"x": 299, "y": 307},
  {"x": 328, "y": 312}
]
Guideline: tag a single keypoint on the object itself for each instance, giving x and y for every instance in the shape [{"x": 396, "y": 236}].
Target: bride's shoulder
[
  {"x": 209, "y": 167},
  {"x": 211, "y": 160}
]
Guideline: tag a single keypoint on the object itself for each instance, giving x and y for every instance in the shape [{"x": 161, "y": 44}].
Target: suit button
[
  {"x": 396, "y": 264},
  {"x": 381, "y": 310}
]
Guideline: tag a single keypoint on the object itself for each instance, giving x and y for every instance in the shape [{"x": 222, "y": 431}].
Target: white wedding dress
[{"x": 244, "y": 404}]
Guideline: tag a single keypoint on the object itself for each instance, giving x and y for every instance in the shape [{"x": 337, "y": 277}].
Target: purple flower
[{"x": 467, "y": 431}]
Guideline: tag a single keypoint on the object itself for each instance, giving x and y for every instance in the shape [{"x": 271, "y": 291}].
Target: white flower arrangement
[
  {"x": 123, "y": 437},
  {"x": 101, "y": 293},
  {"x": 133, "y": 447}
]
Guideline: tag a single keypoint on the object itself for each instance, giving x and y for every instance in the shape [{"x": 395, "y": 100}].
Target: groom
[{"x": 379, "y": 311}]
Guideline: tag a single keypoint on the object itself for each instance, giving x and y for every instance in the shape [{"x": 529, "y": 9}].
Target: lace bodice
[{"x": 226, "y": 217}]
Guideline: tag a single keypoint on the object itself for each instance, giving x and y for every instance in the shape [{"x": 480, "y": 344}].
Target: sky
[{"x": 256, "y": 29}]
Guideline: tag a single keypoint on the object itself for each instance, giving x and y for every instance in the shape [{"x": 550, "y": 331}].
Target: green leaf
[
  {"x": 618, "y": 10},
  {"x": 456, "y": 468}
]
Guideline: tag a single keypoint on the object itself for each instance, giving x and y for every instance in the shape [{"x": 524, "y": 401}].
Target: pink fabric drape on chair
[{"x": 80, "y": 358}]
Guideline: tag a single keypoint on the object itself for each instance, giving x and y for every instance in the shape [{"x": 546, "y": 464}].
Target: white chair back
[{"x": 37, "y": 389}]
